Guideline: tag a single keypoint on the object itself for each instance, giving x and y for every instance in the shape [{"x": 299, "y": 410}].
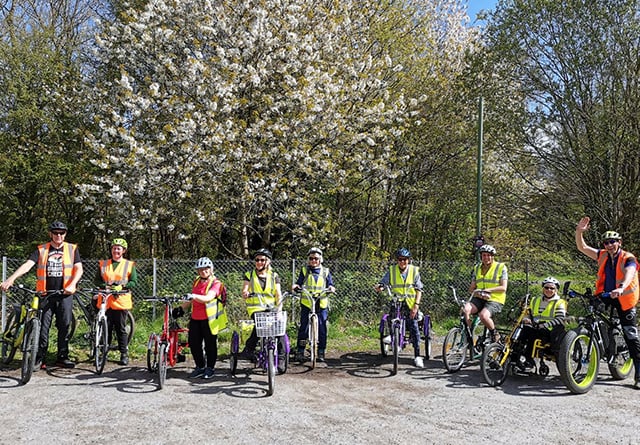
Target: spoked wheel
[
  {"x": 395, "y": 344},
  {"x": 234, "y": 349},
  {"x": 9, "y": 346},
  {"x": 313, "y": 340},
  {"x": 284, "y": 348},
  {"x": 162, "y": 364},
  {"x": 101, "y": 344},
  {"x": 493, "y": 365},
  {"x": 454, "y": 349},
  {"x": 29, "y": 349},
  {"x": 152, "y": 353},
  {"x": 271, "y": 371},
  {"x": 72, "y": 327},
  {"x": 621, "y": 366},
  {"x": 577, "y": 363},
  {"x": 427, "y": 337},
  {"x": 385, "y": 337},
  {"x": 130, "y": 326}
]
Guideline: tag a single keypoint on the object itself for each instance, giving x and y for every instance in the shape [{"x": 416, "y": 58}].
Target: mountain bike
[
  {"x": 167, "y": 348},
  {"x": 85, "y": 309},
  {"x": 100, "y": 331},
  {"x": 394, "y": 336},
  {"x": 463, "y": 340},
  {"x": 313, "y": 325},
  {"x": 270, "y": 326},
  {"x": 23, "y": 329},
  {"x": 508, "y": 357},
  {"x": 599, "y": 336}
]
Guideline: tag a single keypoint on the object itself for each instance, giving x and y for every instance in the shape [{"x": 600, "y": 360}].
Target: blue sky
[{"x": 476, "y": 5}]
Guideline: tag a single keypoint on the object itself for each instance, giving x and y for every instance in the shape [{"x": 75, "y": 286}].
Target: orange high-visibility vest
[
  {"x": 629, "y": 296},
  {"x": 113, "y": 277},
  {"x": 68, "y": 254}
]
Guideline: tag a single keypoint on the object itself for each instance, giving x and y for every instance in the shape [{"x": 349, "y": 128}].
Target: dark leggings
[{"x": 203, "y": 344}]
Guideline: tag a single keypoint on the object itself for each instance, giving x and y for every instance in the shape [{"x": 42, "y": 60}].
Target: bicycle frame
[{"x": 313, "y": 323}]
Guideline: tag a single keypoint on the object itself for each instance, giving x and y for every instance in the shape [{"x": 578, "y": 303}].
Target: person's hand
[
  {"x": 583, "y": 224},
  {"x": 616, "y": 293},
  {"x": 245, "y": 294},
  {"x": 414, "y": 312},
  {"x": 295, "y": 288},
  {"x": 332, "y": 290},
  {"x": 378, "y": 287},
  {"x": 177, "y": 312},
  {"x": 117, "y": 287}
]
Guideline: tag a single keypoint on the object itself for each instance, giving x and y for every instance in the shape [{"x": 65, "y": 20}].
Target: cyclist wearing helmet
[
  {"x": 118, "y": 273},
  {"x": 208, "y": 317},
  {"x": 404, "y": 279},
  {"x": 544, "y": 322},
  {"x": 488, "y": 289},
  {"x": 59, "y": 267},
  {"x": 260, "y": 289},
  {"x": 617, "y": 274},
  {"x": 314, "y": 277}
]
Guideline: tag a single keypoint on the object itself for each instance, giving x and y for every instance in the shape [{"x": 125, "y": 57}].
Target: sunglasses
[
  {"x": 549, "y": 288},
  {"x": 59, "y": 233},
  {"x": 260, "y": 260},
  {"x": 314, "y": 258},
  {"x": 610, "y": 241}
]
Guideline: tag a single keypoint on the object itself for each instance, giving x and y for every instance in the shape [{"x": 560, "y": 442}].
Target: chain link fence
[{"x": 354, "y": 301}]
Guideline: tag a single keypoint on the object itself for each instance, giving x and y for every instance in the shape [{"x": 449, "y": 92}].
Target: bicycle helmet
[
  {"x": 551, "y": 280},
  {"x": 263, "y": 252},
  {"x": 57, "y": 225},
  {"x": 488, "y": 248},
  {"x": 204, "y": 262},
  {"x": 403, "y": 252},
  {"x": 317, "y": 251},
  {"x": 610, "y": 234},
  {"x": 120, "y": 242}
]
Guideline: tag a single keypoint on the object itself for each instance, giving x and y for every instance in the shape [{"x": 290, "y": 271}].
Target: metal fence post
[{"x": 4, "y": 296}]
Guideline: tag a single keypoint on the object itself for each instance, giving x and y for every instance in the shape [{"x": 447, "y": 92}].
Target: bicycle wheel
[
  {"x": 10, "y": 337},
  {"x": 284, "y": 348},
  {"x": 577, "y": 363},
  {"x": 130, "y": 326},
  {"x": 162, "y": 364},
  {"x": 152, "y": 353},
  {"x": 72, "y": 326},
  {"x": 621, "y": 366},
  {"x": 271, "y": 371},
  {"x": 101, "y": 344},
  {"x": 313, "y": 339},
  {"x": 427, "y": 327},
  {"x": 234, "y": 349},
  {"x": 493, "y": 372},
  {"x": 454, "y": 349},
  {"x": 395, "y": 344},
  {"x": 30, "y": 344},
  {"x": 385, "y": 337}
]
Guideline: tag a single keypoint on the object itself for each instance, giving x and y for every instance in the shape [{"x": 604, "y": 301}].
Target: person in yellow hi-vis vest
[
  {"x": 58, "y": 267},
  {"x": 118, "y": 273},
  {"x": 488, "y": 290},
  {"x": 208, "y": 317}
]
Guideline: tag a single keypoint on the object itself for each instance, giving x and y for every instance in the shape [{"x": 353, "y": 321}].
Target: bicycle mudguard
[{"x": 383, "y": 322}]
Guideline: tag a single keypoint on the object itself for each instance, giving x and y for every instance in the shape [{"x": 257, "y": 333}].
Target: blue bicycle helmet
[{"x": 403, "y": 252}]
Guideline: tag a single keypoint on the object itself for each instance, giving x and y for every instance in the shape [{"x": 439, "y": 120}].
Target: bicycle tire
[
  {"x": 395, "y": 344},
  {"x": 9, "y": 338},
  {"x": 385, "y": 333},
  {"x": 454, "y": 349},
  {"x": 620, "y": 368},
  {"x": 313, "y": 339},
  {"x": 72, "y": 327},
  {"x": 427, "y": 337},
  {"x": 234, "y": 349},
  {"x": 284, "y": 347},
  {"x": 493, "y": 372},
  {"x": 152, "y": 353},
  {"x": 578, "y": 368},
  {"x": 30, "y": 345},
  {"x": 271, "y": 371},
  {"x": 130, "y": 326},
  {"x": 101, "y": 344},
  {"x": 162, "y": 364}
]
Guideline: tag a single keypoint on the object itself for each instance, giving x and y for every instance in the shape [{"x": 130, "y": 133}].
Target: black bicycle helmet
[
  {"x": 403, "y": 252},
  {"x": 263, "y": 252},
  {"x": 58, "y": 225}
]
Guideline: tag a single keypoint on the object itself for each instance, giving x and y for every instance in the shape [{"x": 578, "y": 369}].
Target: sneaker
[
  {"x": 495, "y": 337},
  {"x": 300, "y": 358},
  {"x": 39, "y": 365},
  {"x": 636, "y": 383},
  {"x": 418, "y": 362},
  {"x": 43, "y": 366},
  {"x": 198, "y": 372},
  {"x": 65, "y": 363},
  {"x": 386, "y": 340},
  {"x": 124, "y": 359},
  {"x": 208, "y": 373},
  {"x": 321, "y": 357}
]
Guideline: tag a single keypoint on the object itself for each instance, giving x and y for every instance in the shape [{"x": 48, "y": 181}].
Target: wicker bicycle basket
[{"x": 271, "y": 324}]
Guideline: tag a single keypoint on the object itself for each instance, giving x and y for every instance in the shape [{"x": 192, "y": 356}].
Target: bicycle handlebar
[
  {"x": 46, "y": 293},
  {"x": 170, "y": 298}
]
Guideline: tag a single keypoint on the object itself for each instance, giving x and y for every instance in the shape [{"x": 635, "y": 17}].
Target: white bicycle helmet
[
  {"x": 487, "y": 248},
  {"x": 551, "y": 280},
  {"x": 203, "y": 262},
  {"x": 316, "y": 251}
]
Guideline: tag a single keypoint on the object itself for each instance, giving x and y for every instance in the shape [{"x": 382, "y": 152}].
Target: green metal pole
[{"x": 479, "y": 170}]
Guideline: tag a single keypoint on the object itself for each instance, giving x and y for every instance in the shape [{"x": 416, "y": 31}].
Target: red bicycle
[{"x": 166, "y": 349}]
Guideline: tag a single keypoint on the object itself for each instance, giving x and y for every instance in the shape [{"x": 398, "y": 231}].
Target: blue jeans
[{"x": 303, "y": 331}]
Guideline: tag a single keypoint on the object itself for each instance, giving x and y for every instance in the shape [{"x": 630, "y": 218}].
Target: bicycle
[
  {"x": 167, "y": 348},
  {"x": 270, "y": 326},
  {"x": 463, "y": 339},
  {"x": 100, "y": 332},
  {"x": 85, "y": 309},
  {"x": 599, "y": 335},
  {"x": 313, "y": 325},
  {"x": 392, "y": 328},
  {"x": 23, "y": 329}
]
